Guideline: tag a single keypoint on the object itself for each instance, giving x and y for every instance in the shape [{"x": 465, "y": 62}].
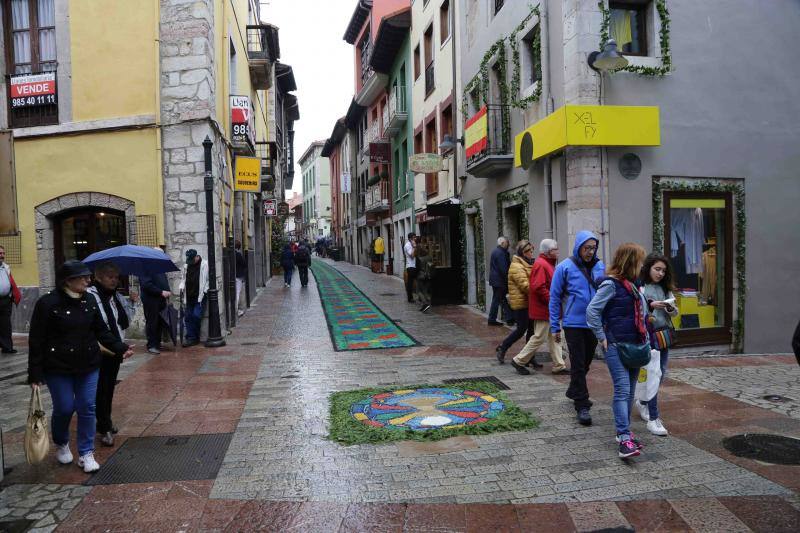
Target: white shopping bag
[{"x": 649, "y": 378}]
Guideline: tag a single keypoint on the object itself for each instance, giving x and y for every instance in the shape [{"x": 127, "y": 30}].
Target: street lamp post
[{"x": 215, "y": 338}]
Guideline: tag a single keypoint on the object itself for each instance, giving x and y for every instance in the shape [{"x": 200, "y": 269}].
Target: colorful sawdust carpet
[
  {"x": 424, "y": 409},
  {"x": 354, "y": 322},
  {"x": 423, "y": 412}
]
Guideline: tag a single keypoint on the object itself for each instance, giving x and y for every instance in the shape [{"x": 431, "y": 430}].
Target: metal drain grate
[
  {"x": 149, "y": 459},
  {"x": 775, "y": 449},
  {"x": 249, "y": 343},
  {"x": 388, "y": 294},
  {"x": 491, "y": 379}
]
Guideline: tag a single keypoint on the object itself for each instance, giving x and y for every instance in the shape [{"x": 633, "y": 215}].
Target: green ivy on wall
[
  {"x": 666, "y": 54},
  {"x": 479, "y": 254},
  {"x": 513, "y": 197},
  {"x": 709, "y": 186},
  {"x": 516, "y": 79}
]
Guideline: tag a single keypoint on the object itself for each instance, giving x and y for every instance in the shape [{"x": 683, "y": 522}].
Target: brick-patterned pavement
[{"x": 269, "y": 386}]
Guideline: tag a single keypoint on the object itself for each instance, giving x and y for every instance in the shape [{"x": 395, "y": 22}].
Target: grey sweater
[{"x": 654, "y": 292}]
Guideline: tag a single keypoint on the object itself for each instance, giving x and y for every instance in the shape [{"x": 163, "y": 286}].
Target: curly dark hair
[{"x": 666, "y": 282}]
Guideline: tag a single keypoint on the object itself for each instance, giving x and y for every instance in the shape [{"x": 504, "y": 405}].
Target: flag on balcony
[{"x": 477, "y": 133}]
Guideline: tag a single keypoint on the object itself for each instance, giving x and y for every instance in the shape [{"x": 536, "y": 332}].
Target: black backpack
[{"x": 301, "y": 255}]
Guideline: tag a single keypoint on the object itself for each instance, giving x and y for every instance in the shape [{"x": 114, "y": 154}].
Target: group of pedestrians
[
  {"x": 295, "y": 255},
  {"x": 579, "y": 300}
]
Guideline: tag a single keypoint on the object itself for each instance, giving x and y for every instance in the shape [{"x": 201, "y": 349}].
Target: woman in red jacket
[{"x": 538, "y": 311}]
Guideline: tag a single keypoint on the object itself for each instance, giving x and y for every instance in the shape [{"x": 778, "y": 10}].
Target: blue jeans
[
  {"x": 71, "y": 393},
  {"x": 499, "y": 302},
  {"x": 652, "y": 405},
  {"x": 287, "y": 275},
  {"x": 194, "y": 313},
  {"x": 624, "y": 388}
]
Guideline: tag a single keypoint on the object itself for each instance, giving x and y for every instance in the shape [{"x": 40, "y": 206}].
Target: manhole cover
[
  {"x": 491, "y": 379},
  {"x": 775, "y": 398},
  {"x": 150, "y": 459},
  {"x": 775, "y": 449}
]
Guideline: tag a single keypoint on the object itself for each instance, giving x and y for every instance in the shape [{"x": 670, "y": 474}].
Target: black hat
[{"x": 73, "y": 269}]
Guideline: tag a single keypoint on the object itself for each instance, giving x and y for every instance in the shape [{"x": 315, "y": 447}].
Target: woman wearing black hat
[{"x": 64, "y": 352}]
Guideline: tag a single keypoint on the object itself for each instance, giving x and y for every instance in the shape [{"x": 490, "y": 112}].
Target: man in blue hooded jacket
[{"x": 573, "y": 287}]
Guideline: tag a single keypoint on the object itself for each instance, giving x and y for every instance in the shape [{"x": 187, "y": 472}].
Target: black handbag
[{"x": 633, "y": 355}]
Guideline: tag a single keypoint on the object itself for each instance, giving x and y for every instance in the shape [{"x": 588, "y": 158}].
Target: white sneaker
[
  {"x": 657, "y": 428},
  {"x": 88, "y": 463},
  {"x": 240, "y": 313},
  {"x": 63, "y": 454},
  {"x": 644, "y": 411}
]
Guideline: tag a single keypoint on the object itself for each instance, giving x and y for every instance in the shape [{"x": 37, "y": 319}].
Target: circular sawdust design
[
  {"x": 427, "y": 408},
  {"x": 775, "y": 449}
]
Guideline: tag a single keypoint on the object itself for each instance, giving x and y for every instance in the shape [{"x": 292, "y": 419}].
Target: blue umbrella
[{"x": 134, "y": 260}]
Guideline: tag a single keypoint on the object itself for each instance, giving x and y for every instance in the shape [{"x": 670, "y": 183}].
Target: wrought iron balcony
[
  {"x": 258, "y": 57},
  {"x": 494, "y": 156},
  {"x": 395, "y": 114},
  {"x": 378, "y": 197}
]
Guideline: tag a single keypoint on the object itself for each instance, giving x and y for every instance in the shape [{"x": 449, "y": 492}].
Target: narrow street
[{"x": 265, "y": 394}]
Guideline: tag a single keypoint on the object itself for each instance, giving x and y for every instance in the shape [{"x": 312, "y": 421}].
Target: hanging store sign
[
  {"x": 247, "y": 174},
  {"x": 476, "y": 134},
  {"x": 588, "y": 125},
  {"x": 32, "y": 90},
  {"x": 425, "y": 163},
  {"x": 242, "y": 121},
  {"x": 346, "y": 181},
  {"x": 270, "y": 208},
  {"x": 283, "y": 209},
  {"x": 380, "y": 153}
]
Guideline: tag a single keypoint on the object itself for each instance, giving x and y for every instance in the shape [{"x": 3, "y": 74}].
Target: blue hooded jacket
[{"x": 571, "y": 289}]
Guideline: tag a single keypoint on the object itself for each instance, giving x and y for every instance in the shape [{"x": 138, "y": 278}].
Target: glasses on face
[{"x": 589, "y": 248}]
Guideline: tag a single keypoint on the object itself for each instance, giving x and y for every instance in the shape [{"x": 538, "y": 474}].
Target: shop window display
[
  {"x": 698, "y": 246},
  {"x": 435, "y": 236}
]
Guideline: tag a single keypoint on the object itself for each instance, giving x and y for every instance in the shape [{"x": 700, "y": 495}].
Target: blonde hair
[
  {"x": 521, "y": 246},
  {"x": 627, "y": 261}
]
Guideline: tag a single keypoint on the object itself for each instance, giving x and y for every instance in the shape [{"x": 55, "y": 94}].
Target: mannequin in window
[{"x": 708, "y": 273}]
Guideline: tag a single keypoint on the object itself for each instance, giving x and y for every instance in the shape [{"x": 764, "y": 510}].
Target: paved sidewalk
[{"x": 269, "y": 388}]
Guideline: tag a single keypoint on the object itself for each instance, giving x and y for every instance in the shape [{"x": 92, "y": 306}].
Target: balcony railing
[
  {"x": 258, "y": 57},
  {"x": 497, "y": 155},
  {"x": 395, "y": 114},
  {"x": 374, "y": 133},
  {"x": 366, "y": 55},
  {"x": 377, "y": 197},
  {"x": 430, "y": 81}
]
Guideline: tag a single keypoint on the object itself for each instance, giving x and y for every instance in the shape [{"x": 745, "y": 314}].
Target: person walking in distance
[
  {"x": 572, "y": 288},
  {"x": 66, "y": 333},
  {"x": 9, "y": 294},
  {"x": 425, "y": 273},
  {"x": 155, "y": 291},
  {"x": 519, "y": 274},
  {"x": 499, "y": 264},
  {"x": 303, "y": 260},
  {"x": 618, "y": 314},
  {"x": 410, "y": 253},
  {"x": 657, "y": 286},
  {"x": 241, "y": 274},
  {"x": 287, "y": 264},
  {"x": 194, "y": 286},
  {"x": 116, "y": 315},
  {"x": 539, "y": 311}
]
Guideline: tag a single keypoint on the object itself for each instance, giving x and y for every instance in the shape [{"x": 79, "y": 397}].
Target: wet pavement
[{"x": 269, "y": 388}]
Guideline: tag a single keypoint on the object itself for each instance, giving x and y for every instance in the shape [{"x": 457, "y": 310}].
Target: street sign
[
  {"x": 270, "y": 208},
  {"x": 425, "y": 163},
  {"x": 247, "y": 174}
]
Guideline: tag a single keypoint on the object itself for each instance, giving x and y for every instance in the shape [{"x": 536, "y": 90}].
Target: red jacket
[{"x": 539, "y": 291}]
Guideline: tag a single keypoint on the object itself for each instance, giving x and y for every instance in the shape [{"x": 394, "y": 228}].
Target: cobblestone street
[{"x": 269, "y": 388}]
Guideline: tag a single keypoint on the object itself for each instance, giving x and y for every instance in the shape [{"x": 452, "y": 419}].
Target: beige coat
[{"x": 519, "y": 275}]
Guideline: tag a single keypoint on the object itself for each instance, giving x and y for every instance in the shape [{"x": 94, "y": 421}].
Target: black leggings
[{"x": 523, "y": 323}]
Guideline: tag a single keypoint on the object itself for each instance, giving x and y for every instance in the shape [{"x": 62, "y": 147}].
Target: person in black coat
[
  {"x": 499, "y": 264},
  {"x": 66, "y": 332},
  {"x": 155, "y": 294},
  {"x": 241, "y": 274}
]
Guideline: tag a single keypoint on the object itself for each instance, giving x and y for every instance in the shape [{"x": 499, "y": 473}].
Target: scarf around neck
[{"x": 638, "y": 314}]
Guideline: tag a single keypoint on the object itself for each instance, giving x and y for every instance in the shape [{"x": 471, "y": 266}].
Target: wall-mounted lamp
[
  {"x": 607, "y": 60},
  {"x": 448, "y": 143}
]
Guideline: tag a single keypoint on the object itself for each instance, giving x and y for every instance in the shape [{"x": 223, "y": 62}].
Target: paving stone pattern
[
  {"x": 279, "y": 450},
  {"x": 45, "y": 505},
  {"x": 749, "y": 384}
]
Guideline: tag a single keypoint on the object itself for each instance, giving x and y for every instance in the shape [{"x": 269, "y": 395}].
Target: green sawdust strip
[{"x": 345, "y": 429}]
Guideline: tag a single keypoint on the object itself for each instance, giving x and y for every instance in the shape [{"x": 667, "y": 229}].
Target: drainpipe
[
  {"x": 453, "y": 105},
  {"x": 544, "y": 25}
]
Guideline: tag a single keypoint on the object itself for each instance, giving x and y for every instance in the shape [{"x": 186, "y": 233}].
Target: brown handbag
[{"x": 37, "y": 440}]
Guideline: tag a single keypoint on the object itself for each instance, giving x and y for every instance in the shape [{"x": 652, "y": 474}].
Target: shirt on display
[{"x": 686, "y": 226}]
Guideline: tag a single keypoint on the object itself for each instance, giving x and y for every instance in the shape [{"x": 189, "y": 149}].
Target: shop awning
[{"x": 588, "y": 125}]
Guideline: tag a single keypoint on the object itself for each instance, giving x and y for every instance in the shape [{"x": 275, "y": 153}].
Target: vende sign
[
  {"x": 242, "y": 120},
  {"x": 29, "y": 90}
]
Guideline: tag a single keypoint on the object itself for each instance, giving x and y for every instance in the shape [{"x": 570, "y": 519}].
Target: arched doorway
[{"x": 85, "y": 230}]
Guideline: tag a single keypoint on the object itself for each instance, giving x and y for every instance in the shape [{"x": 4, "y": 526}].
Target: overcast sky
[{"x": 311, "y": 42}]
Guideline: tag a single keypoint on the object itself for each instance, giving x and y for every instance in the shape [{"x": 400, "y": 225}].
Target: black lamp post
[{"x": 215, "y": 338}]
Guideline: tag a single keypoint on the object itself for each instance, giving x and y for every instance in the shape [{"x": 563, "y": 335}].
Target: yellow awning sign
[
  {"x": 588, "y": 125},
  {"x": 248, "y": 174}
]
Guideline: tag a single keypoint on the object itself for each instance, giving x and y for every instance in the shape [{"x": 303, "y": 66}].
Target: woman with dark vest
[
  {"x": 66, "y": 332},
  {"x": 617, "y": 314}
]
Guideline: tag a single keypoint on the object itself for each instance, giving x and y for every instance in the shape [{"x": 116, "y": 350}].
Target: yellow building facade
[{"x": 106, "y": 122}]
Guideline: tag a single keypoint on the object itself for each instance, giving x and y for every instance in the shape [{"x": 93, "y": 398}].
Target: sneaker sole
[{"x": 634, "y": 453}]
